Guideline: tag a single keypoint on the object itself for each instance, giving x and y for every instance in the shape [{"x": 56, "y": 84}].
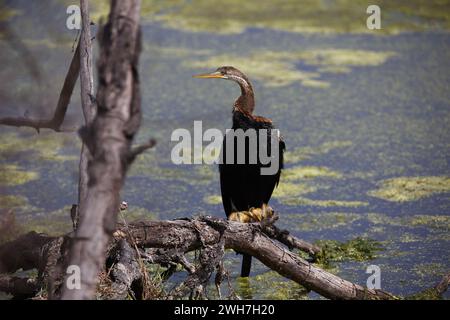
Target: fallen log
[{"x": 166, "y": 242}]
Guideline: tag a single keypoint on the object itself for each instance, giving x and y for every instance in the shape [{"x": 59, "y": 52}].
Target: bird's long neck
[{"x": 246, "y": 101}]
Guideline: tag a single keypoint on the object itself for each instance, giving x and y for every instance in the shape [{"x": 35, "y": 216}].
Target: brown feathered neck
[
  {"x": 246, "y": 101},
  {"x": 245, "y": 104}
]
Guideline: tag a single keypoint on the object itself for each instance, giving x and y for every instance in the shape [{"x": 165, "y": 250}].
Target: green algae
[
  {"x": 271, "y": 72},
  {"x": 308, "y": 172},
  {"x": 324, "y": 203},
  {"x": 213, "y": 199},
  {"x": 12, "y": 201},
  {"x": 431, "y": 221},
  {"x": 288, "y": 190},
  {"x": 174, "y": 52},
  {"x": 54, "y": 223},
  {"x": 44, "y": 146},
  {"x": 270, "y": 285},
  {"x": 149, "y": 164},
  {"x": 137, "y": 213},
  {"x": 341, "y": 60},
  {"x": 422, "y": 271},
  {"x": 17, "y": 203},
  {"x": 7, "y": 13},
  {"x": 49, "y": 43},
  {"x": 427, "y": 294},
  {"x": 291, "y": 192},
  {"x": 13, "y": 175},
  {"x": 319, "y": 221},
  {"x": 276, "y": 69},
  {"x": 309, "y": 16},
  {"x": 58, "y": 222},
  {"x": 358, "y": 249},
  {"x": 404, "y": 189},
  {"x": 441, "y": 222},
  {"x": 304, "y": 153}
]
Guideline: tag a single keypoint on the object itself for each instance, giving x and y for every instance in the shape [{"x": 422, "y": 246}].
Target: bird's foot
[{"x": 252, "y": 215}]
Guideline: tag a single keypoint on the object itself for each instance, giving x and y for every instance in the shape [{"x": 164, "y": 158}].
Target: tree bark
[
  {"x": 87, "y": 104},
  {"x": 248, "y": 238},
  {"x": 109, "y": 139},
  {"x": 166, "y": 242}
]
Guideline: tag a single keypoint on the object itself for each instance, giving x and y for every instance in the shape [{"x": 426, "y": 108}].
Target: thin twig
[{"x": 61, "y": 108}]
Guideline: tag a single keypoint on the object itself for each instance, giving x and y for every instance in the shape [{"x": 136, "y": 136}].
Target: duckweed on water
[
  {"x": 45, "y": 146},
  {"x": 306, "y": 16},
  {"x": 213, "y": 199},
  {"x": 288, "y": 190},
  {"x": 425, "y": 270},
  {"x": 323, "y": 203},
  {"x": 53, "y": 223},
  {"x": 358, "y": 249},
  {"x": 301, "y": 222},
  {"x": 411, "y": 188},
  {"x": 276, "y": 69},
  {"x": 305, "y": 153},
  {"x": 428, "y": 294},
  {"x": 13, "y": 175},
  {"x": 136, "y": 213},
  {"x": 12, "y": 201},
  {"x": 270, "y": 285},
  {"x": 430, "y": 221},
  {"x": 308, "y": 172}
]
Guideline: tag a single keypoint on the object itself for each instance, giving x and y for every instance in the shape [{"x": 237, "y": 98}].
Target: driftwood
[{"x": 166, "y": 243}]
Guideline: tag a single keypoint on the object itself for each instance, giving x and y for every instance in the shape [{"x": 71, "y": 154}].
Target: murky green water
[{"x": 365, "y": 117}]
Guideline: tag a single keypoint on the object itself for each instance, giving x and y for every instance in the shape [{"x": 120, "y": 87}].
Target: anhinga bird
[{"x": 245, "y": 191}]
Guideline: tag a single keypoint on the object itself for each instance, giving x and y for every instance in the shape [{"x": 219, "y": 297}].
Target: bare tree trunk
[
  {"x": 109, "y": 139},
  {"x": 87, "y": 94}
]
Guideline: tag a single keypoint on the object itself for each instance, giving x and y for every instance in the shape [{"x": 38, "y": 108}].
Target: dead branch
[
  {"x": 124, "y": 270},
  {"x": 140, "y": 149},
  {"x": 248, "y": 238},
  {"x": 21, "y": 288},
  {"x": 166, "y": 242},
  {"x": 61, "y": 108},
  {"x": 442, "y": 286},
  {"x": 109, "y": 138},
  {"x": 287, "y": 239},
  {"x": 31, "y": 254}
]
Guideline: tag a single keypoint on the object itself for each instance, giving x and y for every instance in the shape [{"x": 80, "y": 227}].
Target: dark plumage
[{"x": 243, "y": 186}]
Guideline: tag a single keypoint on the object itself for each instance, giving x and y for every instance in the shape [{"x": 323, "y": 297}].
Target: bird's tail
[{"x": 246, "y": 265}]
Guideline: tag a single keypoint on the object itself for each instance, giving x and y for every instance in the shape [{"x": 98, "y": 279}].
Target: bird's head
[
  {"x": 246, "y": 101},
  {"x": 227, "y": 73}
]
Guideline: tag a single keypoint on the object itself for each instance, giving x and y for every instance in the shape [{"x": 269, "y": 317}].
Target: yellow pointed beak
[{"x": 212, "y": 75}]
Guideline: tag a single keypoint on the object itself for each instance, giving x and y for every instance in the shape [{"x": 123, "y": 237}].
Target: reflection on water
[{"x": 366, "y": 120}]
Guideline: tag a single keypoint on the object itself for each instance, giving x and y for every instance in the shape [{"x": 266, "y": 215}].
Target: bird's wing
[
  {"x": 269, "y": 182},
  {"x": 243, "y": 186}
]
